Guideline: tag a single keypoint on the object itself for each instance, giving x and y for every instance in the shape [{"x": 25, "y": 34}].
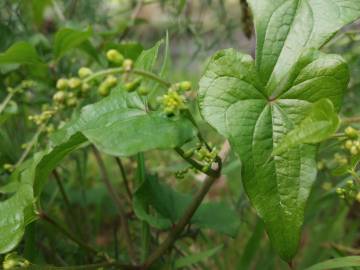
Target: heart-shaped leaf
[{"x": 256, "y": 103}]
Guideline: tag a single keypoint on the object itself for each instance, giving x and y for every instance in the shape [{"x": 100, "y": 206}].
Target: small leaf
[
  {"x": 20, "y": 53},
  {"x": 67, "y": 39},
  {"x": 350, "y": 261},
  {"x": 320, "y": 123},
  {"x": 196, "y": 258}
]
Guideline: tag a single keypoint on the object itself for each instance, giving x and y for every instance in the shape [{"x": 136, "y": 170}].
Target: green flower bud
[
  {"x": 114, "y": 56},
  {"x": 358, "y": 197},
  {"x": 103, "y": 90},
  {"x": 354, "y": 150},
  {"x": 84, "y": 72},
  {"x": 62, "y": 84},
  {"x": 143, "y": 91},
  {"x": 85, "y": 87},
  {"x": 189, "y": 153},
  {"x": 351, "y": 132},
  {"x": 348, "y": 144},
  {"x": 185, "y": 86},
  {"x": 74, "y": 82},
  {"x": 340, "y": 191},
  {"x": 327, "y": 186},
  {"x": 350, "y": 183},
  {"x": 59, "y": 97},
  {"x": 72, "y": 102},
  {"x": 9, "y": 264},
  {"x": 132, "y": 86},
  {"x": 8, "y": 167},
  {"x": 110, "y": 81},
  {"x": 127, "y": 65}
]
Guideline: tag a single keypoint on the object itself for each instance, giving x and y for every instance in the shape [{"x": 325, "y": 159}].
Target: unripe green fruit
[
  {"x": 128, "y": 65},
  {"x": 351, "y": 132},
  {"x": 114, "y": 56},
  {"x": 59, "y": 97},
  {"x": 354, "y": 150},
  {"x": 348, "y": 144},
  {"x": 74, "y": 83},
  {"x": 103, "y": 90},
  {"x": 132, "y": 86},
  {"x": 85, "y": 87},
  {"x": 84, "y": 72},
  {"x": 110, "y": 81},
  {"x": 185, "y": 86},
  {"x": 62, "y": 84},
  {"x": 143, "y": 91},
  {"x": 71, "y": 102}
]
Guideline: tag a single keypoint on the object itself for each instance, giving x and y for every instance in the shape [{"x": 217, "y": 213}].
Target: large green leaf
[
  {"x": 20, "y": 53},
  {"x": 170, "y": 206},
  {"x": 255, "y": 103},
  {"x": 67, "y": 39},
  {"x": 337, "y": 263},
  {"x": 120, "y": 125},
  {"x": 15, "y": 213}
]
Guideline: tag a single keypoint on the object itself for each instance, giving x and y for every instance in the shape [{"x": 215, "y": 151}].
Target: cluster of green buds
[
  {"x": 206, "y": 154},
  {"x": 340, "y": 159},
  {"x": 349, "y": 192},
  {"x": 181, "y": 173},
  {"x": 174, "y": 100},
  {"x": 352, "y": 144},
  {"x": 14, "y": 261},
  {"x": 43, "y": 117}
]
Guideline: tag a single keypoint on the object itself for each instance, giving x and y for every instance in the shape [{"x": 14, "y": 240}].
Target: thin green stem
[
  {"x": 184, "y": 220},
  {"x": 69, "y": 209},
  {"x": 6, "y": 100},
  {"x": 67, "y": 233},
  {"x": 116, "y": 199},
  {"x": 120, "y": 70},
  {"x": 124, "y": 177},
  {"x": 145, "y": 229},
  {"x": 349, "y": 120},
  {"x": 30, "y": 145}
]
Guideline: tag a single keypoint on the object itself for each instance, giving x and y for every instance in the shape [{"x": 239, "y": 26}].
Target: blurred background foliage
[{"x": 196, "y": 29}]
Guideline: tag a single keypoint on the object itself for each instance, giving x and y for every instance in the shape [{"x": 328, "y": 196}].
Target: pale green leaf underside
[
  {"x": 233, "y": 99},
  {"x": 318, "y": 125}
]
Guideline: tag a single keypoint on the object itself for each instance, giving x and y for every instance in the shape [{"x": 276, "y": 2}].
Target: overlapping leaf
[{"x": 256, "y": 103}]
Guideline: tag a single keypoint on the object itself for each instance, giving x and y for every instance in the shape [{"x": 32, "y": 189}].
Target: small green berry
[
  {"x": 103, "y": 90},
  {"x": 358, "y": 197},
  {"x": 348, "y": 144},
  {"x": 62, "y": 84},
  {"x": 351, "y": 132},
  {"x": 132, "y": 86},
  {"x": 114, "y": 56},
  {"x": 127, "y": 65},
  {"x": 354, "y": 150},
  {"x": 8, "y": 167},
  {"x": 84, "y": 72},
  {"x": 110, "y": 81},
  {"x": 85, "y": 87},
  {"x": 185, "y": 86},
  {"x": 72, "y": 102},
  {"x": 350, "y": 183},
  {"x": 74, "y": 82},
  {"x": 59, "y": 97}
]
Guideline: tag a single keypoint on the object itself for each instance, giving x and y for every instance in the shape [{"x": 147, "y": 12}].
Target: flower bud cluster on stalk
[{"x": 346, "y": 163}]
